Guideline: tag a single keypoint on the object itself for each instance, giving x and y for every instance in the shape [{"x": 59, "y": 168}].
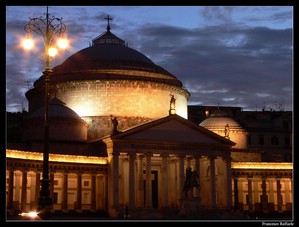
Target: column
[
  {"x": 79, "y": 191},
  {"x": 164, "y": 180},
  {"x": 10, "y": 189},
  {"x": 188, "y": 161},
  {"x": 236, "y": 193},
  {"x": 17, "y": 189},
  {"x": 52, "y": 186},
  {"x": 123, "y": 179},
  {"x": 264, "y": 195},
  {"x": 24, "y": 190},
  {"x": 100, "y": 192},
  {"x": 140, "y": 181},
  {"x": 279, "y": 202},
  {"x": 37, "y": 187},
  {"x": 115, "y": 185},
  {"x": 106, "y": 193},
  {"x": 197, "y": 168},
  {"x": 289, "y": 193},
  {"x": 213, "y": 181},
  {"x": 181, "y": 176},
  {"x": 64, "y": 192},
  {"x": 93, "y": 192},
  {"x": 250, "y": 205},
  {"x": 132, "y": 157},
  {"x": 228, "y": 182},
  {"x": 148, "y": 183}
]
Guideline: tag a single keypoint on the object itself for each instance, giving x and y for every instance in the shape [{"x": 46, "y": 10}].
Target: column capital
[
  {"x": 197, "y": 156},
  {"x": 115, "y": 153},
  {"x": 212, "y": 157},
  {"x": 226, "y": 157},
  {"x": 149, "y": 154},
  {"x": 140, "y": 156},
  {"x": 180, "y": 155},
  {"x": 164, "y": 155},
  {"x": 131, "y": 154}
]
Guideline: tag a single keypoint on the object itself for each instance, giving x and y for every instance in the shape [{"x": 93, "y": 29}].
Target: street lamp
[{"x": 48, "y": 28}]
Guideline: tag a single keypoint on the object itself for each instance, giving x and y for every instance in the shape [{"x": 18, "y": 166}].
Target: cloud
[
  {"x": 224, "y": 64},
  {"x": 226, "y": 55}
]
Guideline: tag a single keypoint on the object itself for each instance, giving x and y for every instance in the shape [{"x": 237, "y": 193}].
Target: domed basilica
[
  {"x": 121, "y": 141},
  {"x": 110, "y": 78}
]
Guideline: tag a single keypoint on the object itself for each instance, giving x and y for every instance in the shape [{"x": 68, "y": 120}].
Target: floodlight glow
[{"x": 31, "y": 214}]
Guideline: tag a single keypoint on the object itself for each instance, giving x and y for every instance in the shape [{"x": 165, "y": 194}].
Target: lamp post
[{"x": 48, "y": 28}]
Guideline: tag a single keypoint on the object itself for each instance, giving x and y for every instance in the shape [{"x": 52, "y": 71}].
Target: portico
[{"x": 148, "y": 165}]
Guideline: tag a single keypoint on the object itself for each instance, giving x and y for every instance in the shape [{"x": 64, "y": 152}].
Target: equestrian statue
[{"x": 190, "y": 182}]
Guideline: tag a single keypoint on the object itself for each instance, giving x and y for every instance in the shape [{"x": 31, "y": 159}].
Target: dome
[
  {"x": 106, "y": 58},
  {"x": 109, "y": 78},
  {"x": 64, "y": 123},
  {"x": 220, "y": 123},
  {"x": 57, "y": 109},
  {"x": 218, "y": 120}
]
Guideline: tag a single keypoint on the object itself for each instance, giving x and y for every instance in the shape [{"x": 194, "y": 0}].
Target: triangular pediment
[{"x": 172, "y": 128}]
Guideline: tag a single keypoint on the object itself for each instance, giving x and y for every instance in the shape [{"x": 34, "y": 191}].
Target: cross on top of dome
[
  {"x": 108, "y": 20},
  {"x": 108, "y": 37}
]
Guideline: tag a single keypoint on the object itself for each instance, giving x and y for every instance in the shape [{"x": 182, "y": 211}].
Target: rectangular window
[
  {"x": 249, "y": 139},
  {"x": 86, "y": 183},
  {"x": 274, "y": 140},
  {"x": 261, "y": 140},
  {"x": 55, "y": 196}
]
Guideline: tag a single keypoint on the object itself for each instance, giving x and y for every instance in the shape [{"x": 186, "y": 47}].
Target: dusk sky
[{"x": 224, "y": 55}]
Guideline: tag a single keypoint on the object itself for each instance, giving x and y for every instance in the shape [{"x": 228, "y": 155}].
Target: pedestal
[{"x": 190, "y": 206}]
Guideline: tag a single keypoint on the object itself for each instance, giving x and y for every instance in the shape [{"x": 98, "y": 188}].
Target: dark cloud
[
  {"x": 274, "y": 17},
  {"x": 226, "y": 65},
  {"x": 218, "y": 14}
]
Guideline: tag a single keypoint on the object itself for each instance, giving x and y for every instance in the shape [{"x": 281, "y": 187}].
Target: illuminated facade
[
  {"x": 261, "y": 158},
  {"x": 110, "y": 78},
  {"x": 140, "y": 160},
  {"x": 225, "y": 126}
]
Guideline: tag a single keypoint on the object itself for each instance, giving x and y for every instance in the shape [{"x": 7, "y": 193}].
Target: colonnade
[
  {"x": 262, "y": 193},
  {"x": 130, "y": 183},
  {"x": 23, "y": 188},
  {"x": 171, "y": 173}
]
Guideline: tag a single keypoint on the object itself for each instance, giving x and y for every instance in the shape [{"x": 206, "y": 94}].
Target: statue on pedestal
[
  {"x": 115, "y": 124},
  {"x": 172, "y": 105},
  {"x": 226, "y": 131},
  {"x": 190, "y": 182}
]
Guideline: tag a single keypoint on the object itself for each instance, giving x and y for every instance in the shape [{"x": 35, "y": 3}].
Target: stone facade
[{"x": 132, "y": 102}]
